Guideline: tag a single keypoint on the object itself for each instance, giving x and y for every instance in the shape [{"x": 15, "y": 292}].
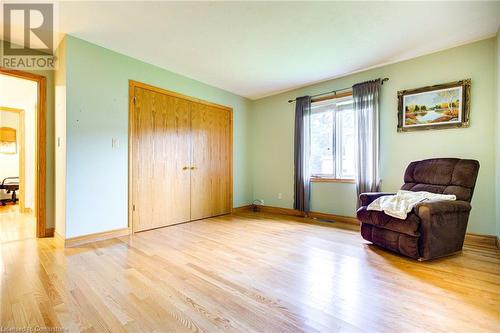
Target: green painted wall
[
  {"x": 498, "y": 132},
  {"x": 96, "y": 94},
  {"x": 60, "y": 136},
  {"x": 272, "y": 132},
  {"x": 97, "y": 111}
]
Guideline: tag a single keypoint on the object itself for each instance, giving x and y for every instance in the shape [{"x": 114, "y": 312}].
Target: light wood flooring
[
  {"x": 14, "y": 225},
  {"x": 245, "y": 273}
]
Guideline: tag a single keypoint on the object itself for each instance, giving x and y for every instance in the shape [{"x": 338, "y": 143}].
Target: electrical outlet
[{"x": 280, "y": 196}]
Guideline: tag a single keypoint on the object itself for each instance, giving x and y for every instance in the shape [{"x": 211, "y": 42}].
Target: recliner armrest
[
  {"x": 368, "y": 197},
  {"x": 433, "y": 207},
  {"x": 443, "y": 225}
]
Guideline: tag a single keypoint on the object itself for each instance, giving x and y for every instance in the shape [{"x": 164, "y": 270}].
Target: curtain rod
[{"x": 334, "y": 91}]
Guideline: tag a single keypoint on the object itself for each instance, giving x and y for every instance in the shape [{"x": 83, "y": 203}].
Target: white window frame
[{"x": 336, "y": 144}]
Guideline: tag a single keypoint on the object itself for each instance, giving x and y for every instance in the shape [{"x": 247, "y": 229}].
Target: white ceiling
[{"x": 255, "y": 49}]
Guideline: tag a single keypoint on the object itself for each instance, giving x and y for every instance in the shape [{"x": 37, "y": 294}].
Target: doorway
[{"x": 22, "y": 155}]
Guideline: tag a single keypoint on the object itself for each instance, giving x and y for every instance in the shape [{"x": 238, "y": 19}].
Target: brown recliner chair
[{"x": 434, "y": 228}]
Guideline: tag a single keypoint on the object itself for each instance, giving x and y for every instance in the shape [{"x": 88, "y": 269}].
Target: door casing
[{"x": 40, "y": 149}]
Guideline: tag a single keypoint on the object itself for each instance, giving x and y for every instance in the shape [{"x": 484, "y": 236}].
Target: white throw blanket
[{"x": 402, "y": 203}]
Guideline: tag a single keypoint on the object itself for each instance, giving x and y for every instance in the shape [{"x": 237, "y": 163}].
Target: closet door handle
[
  {"x": 193, "y": 168},
  {"x": 185, "y": 168}
]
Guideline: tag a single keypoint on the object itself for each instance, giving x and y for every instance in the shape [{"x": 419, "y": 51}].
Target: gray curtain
[
  {"x": 302, "y": 182},
  {"x": 366, "y": 107}
]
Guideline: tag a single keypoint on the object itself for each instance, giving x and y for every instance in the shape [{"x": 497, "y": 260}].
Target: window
[{"x": 332, "y": 139}]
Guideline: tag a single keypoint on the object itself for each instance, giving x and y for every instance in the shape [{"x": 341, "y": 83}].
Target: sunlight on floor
[{"x": 15, "y": 225}]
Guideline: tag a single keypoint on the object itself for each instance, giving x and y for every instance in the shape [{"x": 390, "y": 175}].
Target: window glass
[
  {"x": 332, "y": 139},
  {"x": 321, "y": 162}
]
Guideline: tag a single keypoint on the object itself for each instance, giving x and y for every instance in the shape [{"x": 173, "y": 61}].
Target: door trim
[
  {"x": 131, "y": 88},
  {"x": 40, "y": 149},
  {"x": 136, "y": 84}
]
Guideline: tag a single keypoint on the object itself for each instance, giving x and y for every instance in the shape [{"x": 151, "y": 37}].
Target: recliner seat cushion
[{"x": 380, "y": 219}]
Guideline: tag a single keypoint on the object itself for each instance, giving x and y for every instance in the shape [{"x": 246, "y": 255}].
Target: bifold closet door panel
[
  {"x": 160, "y": 160},
  {"x": 211, "y": 161}
]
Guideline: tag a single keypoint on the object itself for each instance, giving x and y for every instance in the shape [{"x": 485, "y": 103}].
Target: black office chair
[{"x": 10, "y": 185}]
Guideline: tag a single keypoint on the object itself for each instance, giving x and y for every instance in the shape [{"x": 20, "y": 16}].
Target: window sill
[{"x": 332, "y": 180}]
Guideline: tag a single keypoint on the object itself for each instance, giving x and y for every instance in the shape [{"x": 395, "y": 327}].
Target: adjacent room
[
  {"x": 245, "y": 166},
  {"x": 18, "y": 108}
]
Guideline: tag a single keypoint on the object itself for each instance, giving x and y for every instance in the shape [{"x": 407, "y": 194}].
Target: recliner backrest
[{"x": 443, "y": 176}]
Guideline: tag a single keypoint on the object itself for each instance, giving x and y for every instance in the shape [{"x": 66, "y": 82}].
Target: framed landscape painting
[{"x": 440, "y": 106}]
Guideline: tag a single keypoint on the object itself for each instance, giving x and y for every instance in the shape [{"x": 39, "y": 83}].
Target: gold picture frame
[{"x": 435, "y": 107}]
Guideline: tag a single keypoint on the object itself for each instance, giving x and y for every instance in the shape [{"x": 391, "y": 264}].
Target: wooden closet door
[
  {"x": 211, "y": 174},
  {"x": 160, "y": 160}
]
